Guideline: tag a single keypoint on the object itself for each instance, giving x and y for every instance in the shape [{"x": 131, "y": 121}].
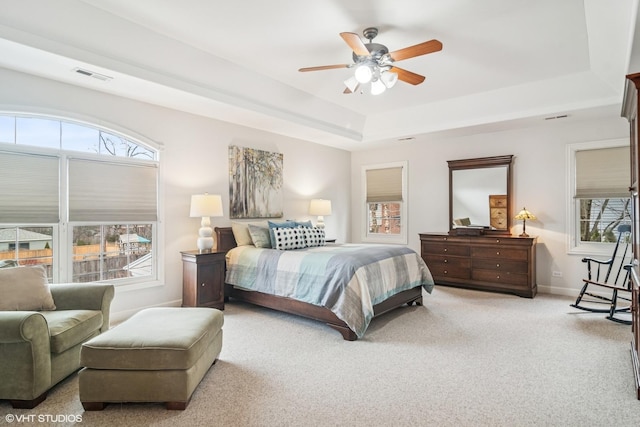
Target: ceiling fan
[{"x": 374, "y": 63}]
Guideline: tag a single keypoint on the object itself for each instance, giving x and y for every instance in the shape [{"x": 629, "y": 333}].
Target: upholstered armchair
[{"x": 42, "y": 329}]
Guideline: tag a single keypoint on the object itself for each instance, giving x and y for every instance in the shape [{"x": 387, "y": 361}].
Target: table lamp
[{"x": 205, "y": 206}]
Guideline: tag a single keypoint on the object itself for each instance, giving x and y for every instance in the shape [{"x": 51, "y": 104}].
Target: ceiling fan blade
[
  {"x": 416, "y": 50},
  {"x": 407, "y": 76},
  {"x": 355, "y": 43},
  {"x": 324, "y": 67}
]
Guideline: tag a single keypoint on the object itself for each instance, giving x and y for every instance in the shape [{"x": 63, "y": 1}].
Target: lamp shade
[
  {"x": 206, "y": 205},
  {"x": 389, "y": 78},
  {"x": 320, "y": 207},
  {"x": 377, "y": 87},
  {"x": 363, "y": 73},
  {"x": 524, "y": 214}
]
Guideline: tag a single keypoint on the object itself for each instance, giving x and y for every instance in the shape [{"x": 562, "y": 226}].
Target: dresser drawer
[
  {"x": 441, "y": 248},
  {"x": 499, "y": 277},
  {"x": 442, "y": 271},
  {"x": 447, "y": 261},
  {"x": 500, "y": 252},
  {"x": 502, "y": 265}
]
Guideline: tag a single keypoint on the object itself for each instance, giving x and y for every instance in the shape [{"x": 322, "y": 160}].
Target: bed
[{"x": 392, "y": 276}]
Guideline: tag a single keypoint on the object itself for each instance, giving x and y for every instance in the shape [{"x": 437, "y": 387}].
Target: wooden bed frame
[{"x": 226, "y": 241}]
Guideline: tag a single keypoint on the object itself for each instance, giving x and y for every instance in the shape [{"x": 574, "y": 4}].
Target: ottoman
[{"x": 157, "y": 355}]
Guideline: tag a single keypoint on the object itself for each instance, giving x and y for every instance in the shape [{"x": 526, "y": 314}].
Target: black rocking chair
[{"x": 619, "y": 286}]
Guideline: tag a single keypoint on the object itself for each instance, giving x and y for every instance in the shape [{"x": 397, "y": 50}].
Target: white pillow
[
  {"x": 288, "y": 238},
  {"x": 314, "y": 236},
  {"x": 25, "y": 288},
  {"x": 241, "y": 231}
]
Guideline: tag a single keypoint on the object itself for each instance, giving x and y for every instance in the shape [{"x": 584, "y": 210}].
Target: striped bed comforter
[{"x": 348, "y": 279}]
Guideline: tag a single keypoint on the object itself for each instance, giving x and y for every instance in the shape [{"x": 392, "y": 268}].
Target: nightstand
[{"x": 203, "y": 279}]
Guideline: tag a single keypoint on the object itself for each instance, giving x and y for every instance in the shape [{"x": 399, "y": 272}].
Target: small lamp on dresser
[
  {"x": 320, "y": 207},
  {"x": 205, "y": 206},
  {"x": 525, "y": 215}
]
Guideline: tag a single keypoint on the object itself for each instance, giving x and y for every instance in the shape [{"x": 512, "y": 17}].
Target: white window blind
[
  {"x": 30, "y": 190},
  {"x": 384, "y": 185},
  {"x": 101, "y": 191},
  {"x": 602, "y": 173}
]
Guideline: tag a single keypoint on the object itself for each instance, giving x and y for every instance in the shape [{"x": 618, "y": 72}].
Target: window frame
[
  {"x": 574, "y": 245},
  {"x": 62, "y": 244},
  {"x": 402, "y": 237}
]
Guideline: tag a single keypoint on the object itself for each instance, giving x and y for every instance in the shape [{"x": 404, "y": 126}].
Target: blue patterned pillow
[
  {"x": 314, "y": 236},
  {"x": 288, "y": 238}
]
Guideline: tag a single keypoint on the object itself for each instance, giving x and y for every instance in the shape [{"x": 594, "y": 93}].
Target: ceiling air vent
[
  {"x": 563, "y": 116},
  {"x": 93, "y": 74}
]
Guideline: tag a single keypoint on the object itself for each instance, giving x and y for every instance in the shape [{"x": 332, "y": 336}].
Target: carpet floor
[{"x": 465, "y": 358}]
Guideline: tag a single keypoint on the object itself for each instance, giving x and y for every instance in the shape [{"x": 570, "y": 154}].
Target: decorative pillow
[
  {"x": 241, "y": 231},
  {"x": 25, "y": 288},
  {"x": 314, "y": 236},
  {"x": 272, "y": 225},
  {"x": 260, "y": 236},
  {"x": 288, "y": 238}
]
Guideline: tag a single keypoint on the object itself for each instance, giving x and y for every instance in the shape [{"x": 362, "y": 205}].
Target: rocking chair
[{"x": 619, "y": 286}]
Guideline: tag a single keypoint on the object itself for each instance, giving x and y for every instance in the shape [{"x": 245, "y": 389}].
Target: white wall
[
  {"x": 540, "y": 184},
  {"x": 194, "y": 160}
]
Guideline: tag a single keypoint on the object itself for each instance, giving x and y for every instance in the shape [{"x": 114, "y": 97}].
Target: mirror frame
[{"x": 477, "y": 163}]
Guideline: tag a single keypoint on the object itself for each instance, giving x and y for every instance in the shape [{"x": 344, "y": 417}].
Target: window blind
[
  {"x": 384, "y": 185},
  {"x": 602, "y": 173},
  {"x": 103, "y": 191},
  {"x": 30, "y": 190}
]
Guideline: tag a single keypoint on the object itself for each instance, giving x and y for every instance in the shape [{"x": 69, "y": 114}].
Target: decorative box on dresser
[
  {"x": 630, "y": 111},
  {"x": 490, "y": 263},
  {"x": 203, "y": 279}
]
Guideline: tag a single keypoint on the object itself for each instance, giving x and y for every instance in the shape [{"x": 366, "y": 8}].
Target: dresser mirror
[{"x": 480, "y": 196}]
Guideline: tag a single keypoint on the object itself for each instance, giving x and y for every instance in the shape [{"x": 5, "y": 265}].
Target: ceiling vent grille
[{"x": 93, "y": 74}]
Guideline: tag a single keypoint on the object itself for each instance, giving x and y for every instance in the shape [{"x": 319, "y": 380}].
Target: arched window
[{"x": 79, "y": 199}]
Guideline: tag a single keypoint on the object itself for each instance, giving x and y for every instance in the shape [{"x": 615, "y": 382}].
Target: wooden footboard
[{"x": 226, "y": 241}]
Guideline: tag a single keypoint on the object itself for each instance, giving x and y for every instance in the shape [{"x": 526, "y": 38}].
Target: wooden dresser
[{"x": 490, "y": 263}]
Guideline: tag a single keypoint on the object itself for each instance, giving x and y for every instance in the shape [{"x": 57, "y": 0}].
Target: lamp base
[
  {"x": 205, "y": 241},
  {"x": 523, "y": 235},
  {"x": 205, "y": 244}
]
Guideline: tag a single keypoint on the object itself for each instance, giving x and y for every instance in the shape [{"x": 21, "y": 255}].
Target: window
[
  {"x": 600, "y": 189},
  {"x": 81, "y": 200},
  {"x": 384, "y": 200}
]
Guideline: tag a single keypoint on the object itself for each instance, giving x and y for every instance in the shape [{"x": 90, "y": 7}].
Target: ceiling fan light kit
[
  {"x": 374, "y": 64},
  {"x": 363, "y": 73}
]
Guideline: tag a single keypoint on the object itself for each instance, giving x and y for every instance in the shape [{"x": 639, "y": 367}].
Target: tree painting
[{"x": 255, "y": 183}]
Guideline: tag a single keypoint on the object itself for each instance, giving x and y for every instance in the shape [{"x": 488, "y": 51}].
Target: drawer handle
[
  {"x": 498, "y": 265},
  {"x": 202, "y": 285},
  {"x": 446, "y": 261},
  {"x": 498, "y": 253},
  {"x": 497, "y": 240},
  {"x": 445, "y": 249},
  {"x": 445, "y": 272},
  {"x": 498, "y": 276}
]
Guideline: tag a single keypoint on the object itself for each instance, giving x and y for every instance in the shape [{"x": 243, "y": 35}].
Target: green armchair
[{"x": 38, "y": 349}]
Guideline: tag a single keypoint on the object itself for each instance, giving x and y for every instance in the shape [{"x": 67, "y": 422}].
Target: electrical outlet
[{"x": 557, "y": 274}]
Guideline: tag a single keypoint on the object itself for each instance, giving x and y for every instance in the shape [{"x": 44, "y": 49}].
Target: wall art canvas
[{"x": 255, "y": 183}]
